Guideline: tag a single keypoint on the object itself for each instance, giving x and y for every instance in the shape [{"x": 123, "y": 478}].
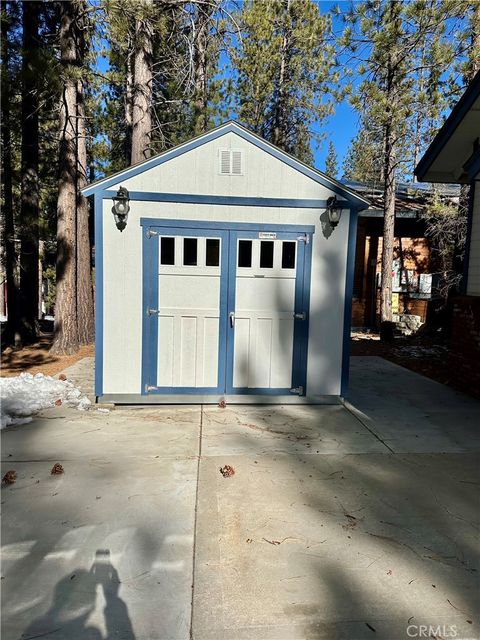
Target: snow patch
[{"x": 25, "y": 395}]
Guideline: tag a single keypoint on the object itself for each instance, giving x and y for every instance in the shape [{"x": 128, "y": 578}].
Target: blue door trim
[
  {"x": 152, "y": 300},
  {"x": 347, "y": 313},
  {"x": 226, "y": 226},
  {"x": 302, "y": 297},
  {"x": 227, "y": 299}
]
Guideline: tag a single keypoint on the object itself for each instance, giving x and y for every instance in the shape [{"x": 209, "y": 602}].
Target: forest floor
[
  {"x": 424, "y": 354},
  {"x": 36, "y": 358}
]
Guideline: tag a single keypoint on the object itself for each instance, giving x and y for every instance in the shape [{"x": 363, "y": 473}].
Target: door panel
[
  {"x": 225, "y": 312},
  {"x": 188, "y": 314},
  {"x": 263, "y": 294}
]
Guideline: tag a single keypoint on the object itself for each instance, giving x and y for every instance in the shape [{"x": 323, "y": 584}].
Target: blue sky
[{"x": 341, "y": 127}]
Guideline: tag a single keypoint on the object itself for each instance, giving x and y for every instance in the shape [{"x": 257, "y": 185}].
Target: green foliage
[
  {"x": 282, "y": 67},
  {"x": 331, "y": 161},
  {"x": 50, "y": 275}
]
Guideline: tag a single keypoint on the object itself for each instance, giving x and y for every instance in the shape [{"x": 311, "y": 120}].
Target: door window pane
[
  {"x": 288, "y": 255},
  {"x": 167, "y": 251},
  {"x": 190, "y": 252},
  {"x": 266, "y": 255},
  {"x": 245, "y": 253},
  {"x": 212, "y": 252}
]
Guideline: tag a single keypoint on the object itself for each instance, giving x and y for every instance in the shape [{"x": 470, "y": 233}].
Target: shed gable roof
[{"x": 233, "y": 127}]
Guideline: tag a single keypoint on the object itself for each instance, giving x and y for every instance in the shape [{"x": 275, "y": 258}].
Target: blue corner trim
[
  {"x": 192, "y": 198},
  {"x": 347, "y": 314},
  {"x": 449, "y": 127},
  {"x": 468, "y": 238},
  {"x": 226, "y": 226},
  {"x": 98, "y": 218},
  {"x": 242, "y": 132}
]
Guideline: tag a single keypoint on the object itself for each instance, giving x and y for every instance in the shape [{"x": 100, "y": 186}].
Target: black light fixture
[
  {"x": 121, "y": 208},
  {"x": 334, "y": 210}
]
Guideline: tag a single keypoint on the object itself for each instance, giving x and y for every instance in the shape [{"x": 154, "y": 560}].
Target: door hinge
[
  {"x": 152, "y": 312},
  {"x": 297, "y": 390},
  {"x": 304, "y": 238},
  {"x": 300, "y": 316},
  {"x": 151, "y": 233}
]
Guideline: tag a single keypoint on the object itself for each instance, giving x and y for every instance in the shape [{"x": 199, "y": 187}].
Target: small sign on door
[{"x": 267, "y": 235}]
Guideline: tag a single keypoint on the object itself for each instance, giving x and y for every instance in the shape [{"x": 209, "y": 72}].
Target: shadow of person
[
  {"x": 117, "y": 620},
  {"x": 72, "y": 604}
]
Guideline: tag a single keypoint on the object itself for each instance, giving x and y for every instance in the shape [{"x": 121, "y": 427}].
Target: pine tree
[
  {"x": 406, "y": 49},
  {"x": 29, "y": 207},
  {"x": 73, "y": 301},
  {"x": 282, "y": 67},
  {"x": 331, "y": 161}
]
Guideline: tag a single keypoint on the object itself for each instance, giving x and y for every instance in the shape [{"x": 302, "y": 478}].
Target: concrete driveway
[{"x": 339, "y": 522}]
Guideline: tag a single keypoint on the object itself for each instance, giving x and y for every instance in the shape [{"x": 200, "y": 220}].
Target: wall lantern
[
  {"x": 334, "y": 211},
  {"x": 121, "y": 208}
]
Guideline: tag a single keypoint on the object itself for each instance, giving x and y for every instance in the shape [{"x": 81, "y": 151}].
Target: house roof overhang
[
  {"x": 454, "y": 154},
  {"x": 353, "y": 198}
]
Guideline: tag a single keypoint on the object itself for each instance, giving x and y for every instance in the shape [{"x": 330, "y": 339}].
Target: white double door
[{"x": 229, "y": 312}]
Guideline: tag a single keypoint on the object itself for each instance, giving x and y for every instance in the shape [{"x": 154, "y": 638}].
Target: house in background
[
  {"x": 415, "y": 268},
  {"x": 454, "y": 156}
]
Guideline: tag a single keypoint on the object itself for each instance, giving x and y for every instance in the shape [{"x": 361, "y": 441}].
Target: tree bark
[
  {"x": 142, "y": 90},
  {"x": 200, "y": 62},
  {"x": 85, "y": 314},
  {"x": 29, "y": 205},
  {"x": 11, "y": 333},
  {"x": 129, "y": 107},
  {"x": 390, "y": 162},
  {"x": 66, "y": 339},
  {"x": 279, "y": 135}
]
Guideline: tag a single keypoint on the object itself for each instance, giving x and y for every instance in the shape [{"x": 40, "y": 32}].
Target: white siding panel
[
  {"x": 473, "y": 282},
  {"x": 197, "y": 171}
]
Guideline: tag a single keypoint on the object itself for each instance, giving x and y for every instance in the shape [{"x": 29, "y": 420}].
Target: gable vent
[{"x": 231, "y": 162}]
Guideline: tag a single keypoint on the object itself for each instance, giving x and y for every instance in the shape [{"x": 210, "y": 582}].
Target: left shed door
[{"x": 185, "y": 311}]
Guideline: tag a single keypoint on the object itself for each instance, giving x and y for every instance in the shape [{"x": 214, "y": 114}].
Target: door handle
[{"x": 232, "y": 318}]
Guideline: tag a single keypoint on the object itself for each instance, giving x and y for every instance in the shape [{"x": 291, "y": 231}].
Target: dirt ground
[
  {"x": 427, "y": 355},
  {"x": 36, "y": 358}
]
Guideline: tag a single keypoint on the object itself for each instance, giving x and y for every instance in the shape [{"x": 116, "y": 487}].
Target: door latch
[
  {"x": 231, "y": 315},
  {"x": 300, "y": 316},
  {"x": 152, "y": 312}
]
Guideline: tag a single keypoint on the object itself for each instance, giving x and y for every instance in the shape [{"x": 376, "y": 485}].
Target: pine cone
[
  {"x": 57, "y": 469},
  {"x": 10, "y": 477}
]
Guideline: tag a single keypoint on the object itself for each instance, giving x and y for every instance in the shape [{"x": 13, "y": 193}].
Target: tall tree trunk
[
  {"x": 85, "y": 315},
  {"x": 279, "y": 135},
  {"x": 142, "y": 93},
  {"x": 29, "y": 206},
  {"x": 66, "y": 329},
  {"x": 129, "y": 106},
  {"x": 200, "y": 62},
  {"x": 390, "y": 164},
  {"x": 11, "y": 333}
]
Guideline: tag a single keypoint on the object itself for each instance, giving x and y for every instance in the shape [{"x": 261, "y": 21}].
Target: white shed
[{"x": 229, "y": 280}]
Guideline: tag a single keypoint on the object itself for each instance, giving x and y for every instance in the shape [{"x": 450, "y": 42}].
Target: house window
[{"x": 167, "y": 251}]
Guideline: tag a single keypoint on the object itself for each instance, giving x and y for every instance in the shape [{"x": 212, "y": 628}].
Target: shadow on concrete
[{"x": 74, "y": 602}]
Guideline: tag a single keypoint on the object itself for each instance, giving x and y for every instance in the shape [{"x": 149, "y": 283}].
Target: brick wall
[{"x": 464, "y": 356}]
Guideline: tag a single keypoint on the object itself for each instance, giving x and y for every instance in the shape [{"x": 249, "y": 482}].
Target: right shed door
[{"x": 268, "y": 313}]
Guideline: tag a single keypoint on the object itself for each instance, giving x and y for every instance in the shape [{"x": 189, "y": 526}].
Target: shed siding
[
  {"x": 122, "y": 269},
  {"x": 197, "y": 172},
  {"x": 473, "y": 281}
]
